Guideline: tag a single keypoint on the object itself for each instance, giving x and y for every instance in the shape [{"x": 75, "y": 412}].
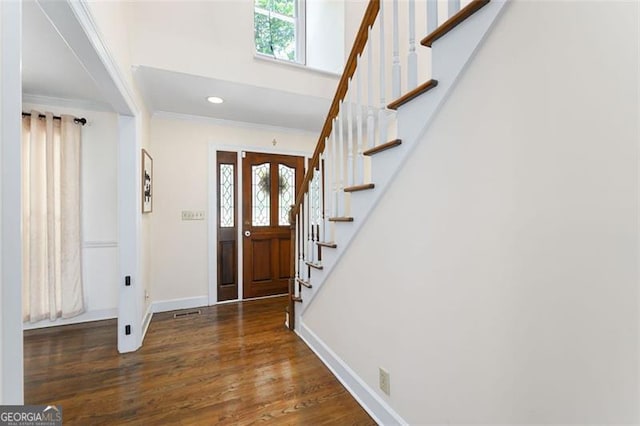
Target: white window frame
[{"x": 300, "y": 26}]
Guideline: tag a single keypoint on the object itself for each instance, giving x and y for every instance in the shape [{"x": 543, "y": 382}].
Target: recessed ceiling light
[{"x": 215, "y": 100}]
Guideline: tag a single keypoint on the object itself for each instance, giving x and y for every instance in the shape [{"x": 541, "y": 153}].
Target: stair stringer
[{"x": 450, "y": 57}]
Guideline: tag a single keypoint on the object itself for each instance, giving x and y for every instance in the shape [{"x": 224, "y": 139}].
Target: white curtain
[{"x": 52, "y": 264}]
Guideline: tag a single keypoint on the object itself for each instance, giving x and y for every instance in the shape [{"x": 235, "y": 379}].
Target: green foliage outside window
[{"x": 275, "y": 28}]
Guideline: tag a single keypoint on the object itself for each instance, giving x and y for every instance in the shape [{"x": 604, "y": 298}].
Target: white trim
[
  {"x": 147, "y": 320},
  {"x": 373, "y": 404},
  {"x": 99, "y": 244},
  {"x": 97, "y": 315},
  {"x": 177, "y": 304},
  {"x": 66, "y": 103},
  {"x": 230, "y": 123},
  {"x": 276, "y": 61},
  {"x": 212, "y": 224}
]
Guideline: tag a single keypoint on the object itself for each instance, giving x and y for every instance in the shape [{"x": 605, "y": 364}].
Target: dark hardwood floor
[{"x": 233, "y": 364}]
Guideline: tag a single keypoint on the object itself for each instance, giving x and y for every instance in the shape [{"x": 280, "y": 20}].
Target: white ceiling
[
  {"x": 186, "y": 94},
  {"x": 50, "y": 69}
]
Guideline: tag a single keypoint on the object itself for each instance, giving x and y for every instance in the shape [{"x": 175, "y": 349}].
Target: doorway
[{"x": 270, "y": 183}]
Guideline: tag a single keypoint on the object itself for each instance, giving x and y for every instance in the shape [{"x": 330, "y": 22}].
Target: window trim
[{"x": 300, "y": 29}]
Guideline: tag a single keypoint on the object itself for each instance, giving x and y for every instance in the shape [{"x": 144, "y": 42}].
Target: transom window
[{"x": 279, "y": 28}]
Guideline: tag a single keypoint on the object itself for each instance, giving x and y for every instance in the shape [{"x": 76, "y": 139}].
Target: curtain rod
[{"x": 82, "y": 121}]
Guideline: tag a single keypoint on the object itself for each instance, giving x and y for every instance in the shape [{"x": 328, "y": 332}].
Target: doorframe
[{"x": 212, "y": 221}]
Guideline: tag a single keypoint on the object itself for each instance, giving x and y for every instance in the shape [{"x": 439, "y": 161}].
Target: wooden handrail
[{"x": 359, "y": 44}]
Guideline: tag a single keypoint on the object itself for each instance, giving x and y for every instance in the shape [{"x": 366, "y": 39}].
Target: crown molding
[{"x": 66, "y": 103}]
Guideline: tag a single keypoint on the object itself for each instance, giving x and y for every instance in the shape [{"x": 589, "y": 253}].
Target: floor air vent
[{"x": 187, "y": 314}]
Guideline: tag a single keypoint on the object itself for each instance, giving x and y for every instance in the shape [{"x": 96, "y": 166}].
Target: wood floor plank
[{"x": 234, "y": 364}]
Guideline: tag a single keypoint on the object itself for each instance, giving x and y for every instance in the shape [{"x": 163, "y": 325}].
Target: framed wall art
[{"x": 147, "y": 182}]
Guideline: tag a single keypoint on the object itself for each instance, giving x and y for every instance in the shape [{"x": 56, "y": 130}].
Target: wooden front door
[{"x": 269, "y": 186}]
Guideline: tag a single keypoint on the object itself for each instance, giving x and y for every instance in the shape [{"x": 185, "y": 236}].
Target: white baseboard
[
  {"x": 146, "y": 321},
  {"x": 176, "y": 304},
  {"x": 97, "y": 315},
  {"x": 377, "y": 408}
]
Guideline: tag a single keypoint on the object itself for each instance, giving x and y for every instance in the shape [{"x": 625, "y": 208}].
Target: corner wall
[{"x": 497, "y": 280}]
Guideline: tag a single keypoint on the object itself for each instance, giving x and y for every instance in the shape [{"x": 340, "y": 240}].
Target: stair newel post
[
  {"x": 292, "y": 267},
  {"x": 382, "y": 114},
  {"x": 412, "y": 58},
  {"x": 396, "y": 72},
  {"x": 432, "y": 15},
  {"x": 454, "y": 7},
  {"x": 359, "y": 161}
]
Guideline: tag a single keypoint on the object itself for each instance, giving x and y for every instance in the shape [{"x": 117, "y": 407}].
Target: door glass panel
[
  {"x": 261, "y": 195},
  {"x": 227, "y": 208},
  {"x": 287, "y": 189}
]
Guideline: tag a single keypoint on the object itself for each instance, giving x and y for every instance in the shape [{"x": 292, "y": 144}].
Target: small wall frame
[{"x": 147, "y": 182}]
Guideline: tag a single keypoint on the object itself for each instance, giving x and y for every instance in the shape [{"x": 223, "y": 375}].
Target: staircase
[{"x": 378, "y": 113}]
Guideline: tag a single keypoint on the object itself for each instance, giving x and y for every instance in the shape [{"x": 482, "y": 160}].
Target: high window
[{"x": 279, "y": 29}]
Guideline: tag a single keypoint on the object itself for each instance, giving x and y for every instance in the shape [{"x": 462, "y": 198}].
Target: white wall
[
  {"x": 2, "y": 118},
  {"x": 213, "y": 39},
  {"x": 99, "y": 213},
  {"x": 11, "y": 364},
  {"x": 180, "y": 149},
  {"x": 325, "y": 48},
  {"x": 497, "y": 280}
]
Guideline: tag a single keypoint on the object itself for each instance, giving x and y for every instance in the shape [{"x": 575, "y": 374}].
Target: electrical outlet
[{"x": 385, "y": 381}]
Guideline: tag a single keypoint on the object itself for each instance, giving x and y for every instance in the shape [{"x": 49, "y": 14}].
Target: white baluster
[
  {"x": 382, "y": 117},
  {"x": 432, "y": 15},
  {"x": 305, "y": 235},
  {"x": 359, "y": 161},
  {"x": 312, "y": 190},
  {"x": 335, "y": 167},
  {"x": 454, "y": 7},
  {"x": 301, "y": 265},
  {"x": 412, "y": 58},
  {"x": 350, "y": 150},
  {"x": 323, "y": 192},
  {"x": 342, "y": 159},
  {"x": 396, "y": 70},
  {"x": 371, "y": 141}
]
